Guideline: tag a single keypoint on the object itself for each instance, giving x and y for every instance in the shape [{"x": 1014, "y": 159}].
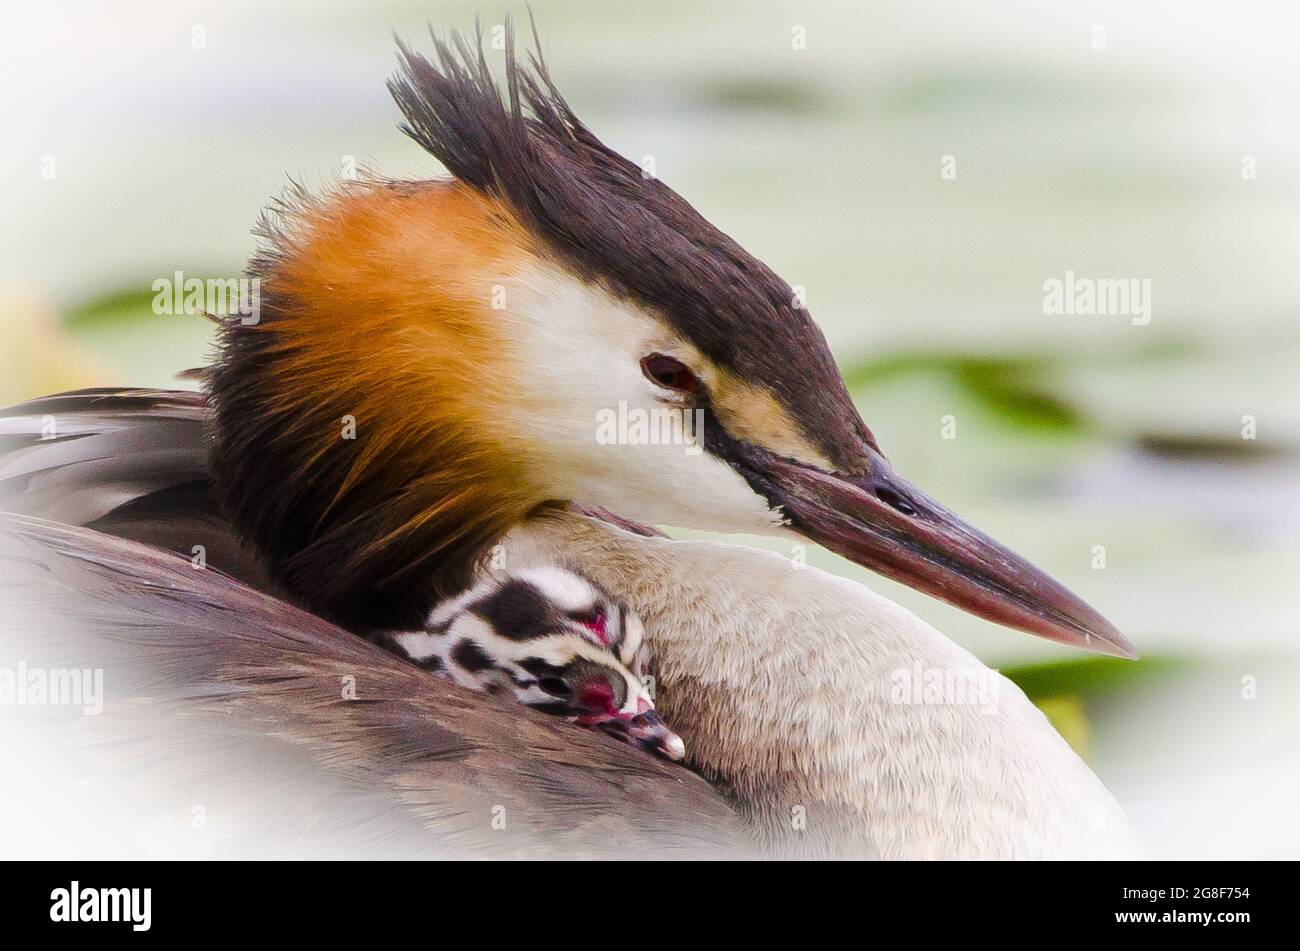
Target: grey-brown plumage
[
  {"x": 129, "y": 462},
  {"x": 209, "y": 680}
]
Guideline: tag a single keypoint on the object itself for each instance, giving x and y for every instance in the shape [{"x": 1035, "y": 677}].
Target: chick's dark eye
[
  {"x": 555, "y": 687},
  {"x": 669, "y": 373}
]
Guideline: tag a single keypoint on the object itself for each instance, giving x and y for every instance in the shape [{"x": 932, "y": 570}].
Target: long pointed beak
[{"x": 882, "y": 522}]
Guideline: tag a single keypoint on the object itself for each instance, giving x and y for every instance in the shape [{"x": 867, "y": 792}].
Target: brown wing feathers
[{"x": 200, "y": 666}]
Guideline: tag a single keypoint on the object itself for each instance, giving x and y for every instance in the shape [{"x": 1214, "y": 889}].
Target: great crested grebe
[
  {"x": 552, "y": 640},
  {"x": 472, "y": 331}
]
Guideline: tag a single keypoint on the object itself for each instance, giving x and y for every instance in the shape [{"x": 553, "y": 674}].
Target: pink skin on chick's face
[{"x": 555, "y": 640}]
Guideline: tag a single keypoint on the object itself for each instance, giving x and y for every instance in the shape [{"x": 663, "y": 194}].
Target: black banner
[{"x": 362, "y": 899}]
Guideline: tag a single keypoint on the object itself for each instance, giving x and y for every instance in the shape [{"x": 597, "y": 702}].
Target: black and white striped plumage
[{"x": 554, "y": 641}]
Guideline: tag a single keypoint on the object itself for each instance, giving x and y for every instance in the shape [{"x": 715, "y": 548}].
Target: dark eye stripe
[{"x": 555, "y": 687}]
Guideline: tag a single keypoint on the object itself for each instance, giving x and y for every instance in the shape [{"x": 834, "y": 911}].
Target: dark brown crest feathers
[{"x": 615, "y": 225}]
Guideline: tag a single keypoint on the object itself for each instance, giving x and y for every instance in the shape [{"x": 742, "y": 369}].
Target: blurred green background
[{"x": 1123, "y": 153}]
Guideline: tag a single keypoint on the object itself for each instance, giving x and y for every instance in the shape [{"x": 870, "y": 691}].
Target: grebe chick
[{"x": 554, "y": 641}]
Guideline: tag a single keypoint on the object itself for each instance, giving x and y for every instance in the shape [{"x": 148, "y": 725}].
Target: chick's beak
[
  {"x": 646, "y": 730},
  {"x": 650, "y": 732}
]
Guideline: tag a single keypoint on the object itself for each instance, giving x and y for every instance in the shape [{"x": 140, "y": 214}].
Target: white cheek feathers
[{"x": 593, "y": 427}]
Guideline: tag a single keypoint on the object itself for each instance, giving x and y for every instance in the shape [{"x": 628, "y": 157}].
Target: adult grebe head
[{"x": 434, "y": 360}]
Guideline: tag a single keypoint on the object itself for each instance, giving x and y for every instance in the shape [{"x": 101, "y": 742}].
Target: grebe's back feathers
[
  {"x": 343, "y": 747},
  {"x": 131, "y": 462}
]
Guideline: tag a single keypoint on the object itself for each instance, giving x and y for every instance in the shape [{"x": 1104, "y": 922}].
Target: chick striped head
[{"x": 556, "y": 643}]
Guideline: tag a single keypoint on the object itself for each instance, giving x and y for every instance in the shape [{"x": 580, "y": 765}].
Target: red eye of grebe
[{"x": 669, "y": 373}]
